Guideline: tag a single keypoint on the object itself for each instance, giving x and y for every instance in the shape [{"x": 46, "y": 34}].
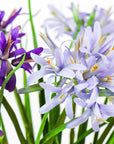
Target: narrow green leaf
[
  {"x": 15, "y": 121},
  {"x": 91, "y": 19},
  {"x": 111, "y": 139},
  {"x": 32, "y": 25},
  {"x": 96, "y": 134},
  {"x": 52, "y": 133},
  {"x": 29, "y": 89},
  {"x": 105, "y": 132},
  {"x": 8, "y": 77},
  {"x": 3, "y": 139},
  {"x": 59, "y": 122},
  {"x": 86, "y": 133},
  {"x": 105, "y": 92},
  {"x": 75, "y": 12},
  {"x": 27, "y": 124},
  {"x": 27, "y": 105},
  {"x": 41, "y": 128}
]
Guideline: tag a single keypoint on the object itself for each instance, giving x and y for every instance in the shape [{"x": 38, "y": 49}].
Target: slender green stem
[
  {"x": 4, "y": 139},
  {"x": 14, "y": 120},
  {"x": 32, "y": 25},
  {"x": 25, "y": 119},
  {"x": 106, "y": 131},
  {"x": 95, "y": 137},
  {"x": 41, "y": 128},
  {"x": 111, "y": 138}
]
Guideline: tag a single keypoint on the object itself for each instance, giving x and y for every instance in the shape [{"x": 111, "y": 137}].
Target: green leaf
[
  {"x": 111, "y": 139},
  {"x": 91, "y": 19},
  {"x": 41, "y": 128},
  {"x": 52, "y": 133},
  {"x": 29, "y": 89},
  {"x": 59, "y": 122},
  {"x": 86, "y": 133},
  {"x": 15, "y": 121},
  {"x": 105, "y": 92},
  {"x": 105, "y": 132},
  {"x": 75, "y": 12}
]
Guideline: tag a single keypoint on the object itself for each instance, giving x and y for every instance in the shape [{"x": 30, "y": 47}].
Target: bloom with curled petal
[
  {"x": 98, "y": 112},
  {"x": 9, "y": 50}
]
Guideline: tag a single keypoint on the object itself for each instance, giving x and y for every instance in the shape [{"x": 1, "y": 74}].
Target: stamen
[
  {"x": 61, "y": 97},
  {"x": 107, "y": 79},
  {"x": 101, "y": 120},
  {"x": 71, "y": 60},
  {"x": 94, "y": 68}
]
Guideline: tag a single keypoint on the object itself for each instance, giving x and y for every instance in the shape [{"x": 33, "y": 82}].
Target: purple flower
[
  {"x": 8, "y": 49},
  {"x": 13, "y": 15}
]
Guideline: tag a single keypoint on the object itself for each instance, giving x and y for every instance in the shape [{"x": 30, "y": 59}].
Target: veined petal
[
  {"x": 107, "y": 109},
  {"x": 69, "y": 107},
  {"x": 16, "y": 52},
  {"x": 59, "y": 57},
  {"x": 50, "y": 87},
  {"x": 66, "y": 73},
  {"x": 38, "y": 59},
  {"x": 76, "y": 67},
  {"x": 50, "y": 105},
  {"x": 34, "y": 77},
  {"x": 93, "y": 97},
  {"x": 81, "y": 86},
  {"x": 79, "y": 120},
  {"x": 80, "y": 102}
]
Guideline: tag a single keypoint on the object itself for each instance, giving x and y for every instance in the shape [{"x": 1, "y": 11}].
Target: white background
[{"x": 42, "y": 5}]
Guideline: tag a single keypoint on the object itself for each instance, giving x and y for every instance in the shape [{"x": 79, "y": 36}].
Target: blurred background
[{"x": 40, "y": 7}]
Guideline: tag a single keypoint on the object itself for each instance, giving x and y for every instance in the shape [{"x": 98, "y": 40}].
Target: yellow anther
[
  {"x": 101, "y": 120},
  {"x": 48, "y": 61},
  {"x": 53, "y": 13},
  {"x": 107, "y": 79},
  {"x": 61, "y": 97},
  {"x": 72, "y": 60},
  {"x": 67, "y": 29},
  {"x": 94, "y": 68}
]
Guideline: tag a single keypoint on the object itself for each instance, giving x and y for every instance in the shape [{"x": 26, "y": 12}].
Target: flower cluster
[
  {"x": 77, "y": 73},
  {"x": 9, "y": 50}
]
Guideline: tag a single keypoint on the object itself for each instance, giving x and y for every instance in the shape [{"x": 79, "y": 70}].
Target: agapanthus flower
[
  {"x": 13, "y": 15},
  {"x": 104, "y": 17},
  {"x": 8, "y": 49},
  {"x": 1, "y": 133},
  {"x": 98, "y": 112}
]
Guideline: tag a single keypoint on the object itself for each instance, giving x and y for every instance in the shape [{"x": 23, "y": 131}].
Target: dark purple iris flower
[
  {"x": 13, "y": 15},
  {"x": 9, "y": 50}
]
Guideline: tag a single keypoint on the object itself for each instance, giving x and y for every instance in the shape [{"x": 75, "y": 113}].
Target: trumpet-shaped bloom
[{"x": 98, "y": 112}]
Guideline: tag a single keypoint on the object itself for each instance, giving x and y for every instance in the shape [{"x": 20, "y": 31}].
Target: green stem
[
  {"x": 3, "y": 140},
  {"x": 95, "y": 137},
  {"x": 26, "y": 122},
  {"x": 41, "y": 128},
  {"x": 32, "y": 25},
  {"x": 106, "y": 131},
  {"x": 14, "y": 120}
]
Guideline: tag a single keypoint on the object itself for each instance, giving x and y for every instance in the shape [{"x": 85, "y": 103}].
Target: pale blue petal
[
  {"x": 80, "y": 102},
  {"x": 50, "y": 105},
  {"x": 69, "y": 107},
  {"x": 38, "y": 59},
  {"x": 76, "y": 67},
  {"x": 34, "y": 77},
  {"x": 93, "y": 97},
  {"x": 81, "y": 86},
  {"x": 79, "y": 120},
  {"x": 107, "y": 109},
  {"x": 50, "y": 87},
  {"x": 67, "y": 73}
]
